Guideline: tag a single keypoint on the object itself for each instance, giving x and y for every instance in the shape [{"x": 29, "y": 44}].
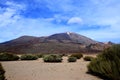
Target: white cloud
[
  {"x": 74, "y": 20},
  {"x": 33, "y": 27},
  {"x": 10, "y": 14},
  {"x": 58, "y": 5},
  {"x": 6, "y": 18}
]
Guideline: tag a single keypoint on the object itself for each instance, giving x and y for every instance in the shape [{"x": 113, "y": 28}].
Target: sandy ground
[{"x": 38, "y": 70}]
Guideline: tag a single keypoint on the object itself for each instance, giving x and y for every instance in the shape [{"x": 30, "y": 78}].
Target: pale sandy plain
[{"x": 38, "y": 70}]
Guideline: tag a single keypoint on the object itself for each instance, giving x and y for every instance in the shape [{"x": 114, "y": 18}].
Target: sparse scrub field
[
  {"x": 72, "y": 59},
  {"x": 107, "y": 64},
  {"x": 39, "y": 55},
  {"x": 28, "y": 57},
  {"x": 40, "y": 70},
  {"x": 88, "y": 58},
  {"x": 77, "y": 55},
  {"x": 8, "y": 57},
  {"x": 52, "y": 58},
  {"x": 2, "y": 72}
]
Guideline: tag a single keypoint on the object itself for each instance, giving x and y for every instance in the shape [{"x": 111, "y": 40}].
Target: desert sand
[{"x": 38, "y": 70}]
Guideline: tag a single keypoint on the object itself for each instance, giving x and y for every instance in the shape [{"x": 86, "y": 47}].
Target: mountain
[
  {"x": 69, "y": 37},
  {"x": 57, "y": 43}
]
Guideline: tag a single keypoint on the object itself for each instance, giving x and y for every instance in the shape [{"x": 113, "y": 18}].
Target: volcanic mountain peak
[
  {"x": 67, "y": 42},
  {"x": 59, "y": 36},
  {"x": 68, "y": 33},
  {"x": 67, "y": 37},
  {"x": 70, "y": 37}
]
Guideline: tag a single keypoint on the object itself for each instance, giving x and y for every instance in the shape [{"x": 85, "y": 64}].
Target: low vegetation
[
  {"x": 62, "y": 55},
  {"x": 88, "y": 58},
  {"x": 2, "y": 73},
  {"x": 28, "y": 57},
  {"x": 107, "y": 64},
  {"x": 77, "y": 55},
  {"x": 72, "y": 59},
  {"x": 52, "y": 58},
  {"x": 8, "y": 57},
  {"x": 39, "y": 55}
]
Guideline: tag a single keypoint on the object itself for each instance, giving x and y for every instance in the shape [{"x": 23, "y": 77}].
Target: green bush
[
  {"x": 39, "y": 55},
  {"x": 88, "y": 58},
  {"x": 8, "y": 57},
  {"x": 28, "y": 57},
  {"x": 77, "y": 55},
  {"x": 2, "y": 73},
  {"x": 52, "y": 58},
  {"x": 72, "y": 59},
  {"x": 63, "y": 55},
  {"x": 107, "y": 64}
]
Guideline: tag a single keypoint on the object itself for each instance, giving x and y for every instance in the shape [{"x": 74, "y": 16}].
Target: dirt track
[{"x": 38, "y": 70}]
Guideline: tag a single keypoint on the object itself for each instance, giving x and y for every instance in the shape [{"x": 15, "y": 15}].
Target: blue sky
[{"x": 97, "y": 19}]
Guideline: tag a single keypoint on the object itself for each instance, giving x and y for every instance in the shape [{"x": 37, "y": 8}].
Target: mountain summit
[
  {"x": 71, "y": 37},
  {"x": 67, "y": 42}
]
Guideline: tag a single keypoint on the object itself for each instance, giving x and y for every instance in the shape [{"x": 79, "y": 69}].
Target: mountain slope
[
  {"x": 71, "y": 38},
  {"x": 56, "y": 43}
]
